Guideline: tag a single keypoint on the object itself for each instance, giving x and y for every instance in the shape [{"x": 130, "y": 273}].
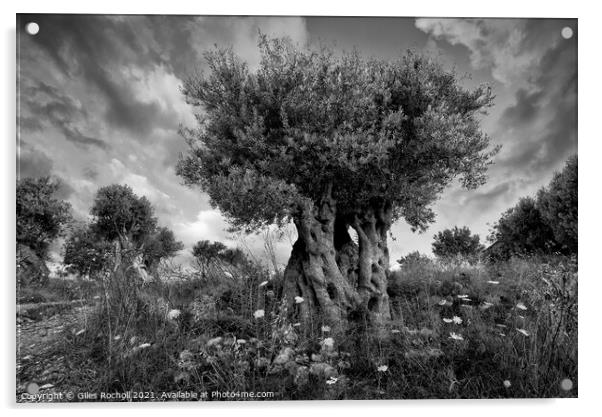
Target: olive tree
[{"x": 332, "y": 142}]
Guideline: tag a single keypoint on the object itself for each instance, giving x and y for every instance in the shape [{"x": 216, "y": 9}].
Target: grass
[{"x": 514, "y": 335}]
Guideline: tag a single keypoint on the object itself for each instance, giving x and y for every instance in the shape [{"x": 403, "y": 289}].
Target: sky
[{"x": 99, "y": 103}]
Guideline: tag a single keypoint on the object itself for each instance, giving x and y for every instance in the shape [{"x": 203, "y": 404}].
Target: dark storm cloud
[
  {"x": 553, "y": 97},
  {"x": 92, "y": 48},
  {"x": 61, "y": 111}
]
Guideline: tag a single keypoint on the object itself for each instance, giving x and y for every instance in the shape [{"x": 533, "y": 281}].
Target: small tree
[
  {"x": 120, "y": 215},
  {"x": 41, "y": 217},
  {"x": 558, "y": 205},
  {"x": 205, "y": 252},
  {"x": 160, "y": 245},
  {"x": 457, "y": 243}
]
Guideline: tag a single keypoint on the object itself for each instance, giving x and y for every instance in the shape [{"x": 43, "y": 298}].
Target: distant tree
[
  {"x": 558, "y": 204},
  {"x": 330, "y": 142},
  {"x": 457, "y": 243},
  {"x": 414, "y": 258},
  {"x": 41, "y": 216},
  {"x": 522, "y": 230},
  {"x": 160, "y": 245},
  {"x": 119, "y": 214},
  {"x": 85, "y": 252},
  {"x": 205, "y": 251}
]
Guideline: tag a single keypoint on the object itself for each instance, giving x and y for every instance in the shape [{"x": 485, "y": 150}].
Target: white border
[{"x": 589, "y": 155}]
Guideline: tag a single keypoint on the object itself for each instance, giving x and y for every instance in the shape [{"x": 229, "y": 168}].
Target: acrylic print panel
[{"x": 220, "y": 208}]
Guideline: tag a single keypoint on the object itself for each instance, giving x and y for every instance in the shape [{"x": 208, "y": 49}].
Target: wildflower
[
  {"x": 328, "y": 343},
  {"x": 457, "y": 320},
  {"x": 133, "y": 340},
  {"x": 521, "y": 306},
  {"x": 382, "y": 368},
  {"x": 144, "y": 345},
  {"x": 299, "y": 300},
  {"x": 455, "y": 336},
  {"x": 173, "y": 314},
  {"x": 332, "y": 380},
  {"x": 447, "y": 320},
  {"x": 523, "y": 332},
  {"x": 325, "y": 329},
  {"x": 259, "y": 314},
  {"x": 442, "y": 302},
  {"x": 493, "y": 282},
  {"x": 507, "y": 384},
  {"x": 263, "y": 284}
]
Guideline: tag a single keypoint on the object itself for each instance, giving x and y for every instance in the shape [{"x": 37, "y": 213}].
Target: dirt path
[{"x": 39, "y": 359}]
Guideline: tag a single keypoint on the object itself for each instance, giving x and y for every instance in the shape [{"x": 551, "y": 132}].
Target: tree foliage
[
  {"x": 159, "y": 245},
  {"x": 308, "y": 121},
  {"x": 456, "y": 242},
  {"x": 545, "y": 224},
  {"x": 41, "y": 216},
  {"x": 523, "y": 231},
  {"x": 558, "y": 204},
  {"x": 119, "y": 213},
  {"x": 85, "y": 252}
]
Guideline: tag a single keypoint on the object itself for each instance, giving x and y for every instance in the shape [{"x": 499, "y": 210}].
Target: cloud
[
  {"x": 58, "y": 110},
  {"x": 242, "y": 33},
  {"x": 32, "y": 162},
  {"x": 494, "y": 44}
]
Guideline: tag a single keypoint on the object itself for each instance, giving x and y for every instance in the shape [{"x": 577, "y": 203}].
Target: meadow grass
[{"x": 505, "y": 330}]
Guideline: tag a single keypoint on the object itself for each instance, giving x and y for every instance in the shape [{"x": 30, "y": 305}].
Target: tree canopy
[
  {"x": 308, "y": 122},
  {"x": 41, "y": 216},
  {"x": 118, "y": 212},
  {"x": 558, "y": 204},
  {"x": 544, "y": 224},
  {"x": 458, "y": 241}
]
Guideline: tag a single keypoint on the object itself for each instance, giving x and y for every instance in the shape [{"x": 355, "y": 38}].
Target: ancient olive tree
[{"x": 332, "y": 142}]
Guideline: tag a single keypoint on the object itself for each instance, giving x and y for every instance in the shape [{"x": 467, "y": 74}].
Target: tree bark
[
  {"x": 331, "y": 273},
  {"x": 313, "y": 273},
  {"x": 373, "y": 263}
]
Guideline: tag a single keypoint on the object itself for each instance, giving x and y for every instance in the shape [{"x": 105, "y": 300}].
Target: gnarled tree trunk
[
  {"x": 331, "y": 273},
  {"x": 312, "y": 272},
  {"x": 373, "y": 262}
]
